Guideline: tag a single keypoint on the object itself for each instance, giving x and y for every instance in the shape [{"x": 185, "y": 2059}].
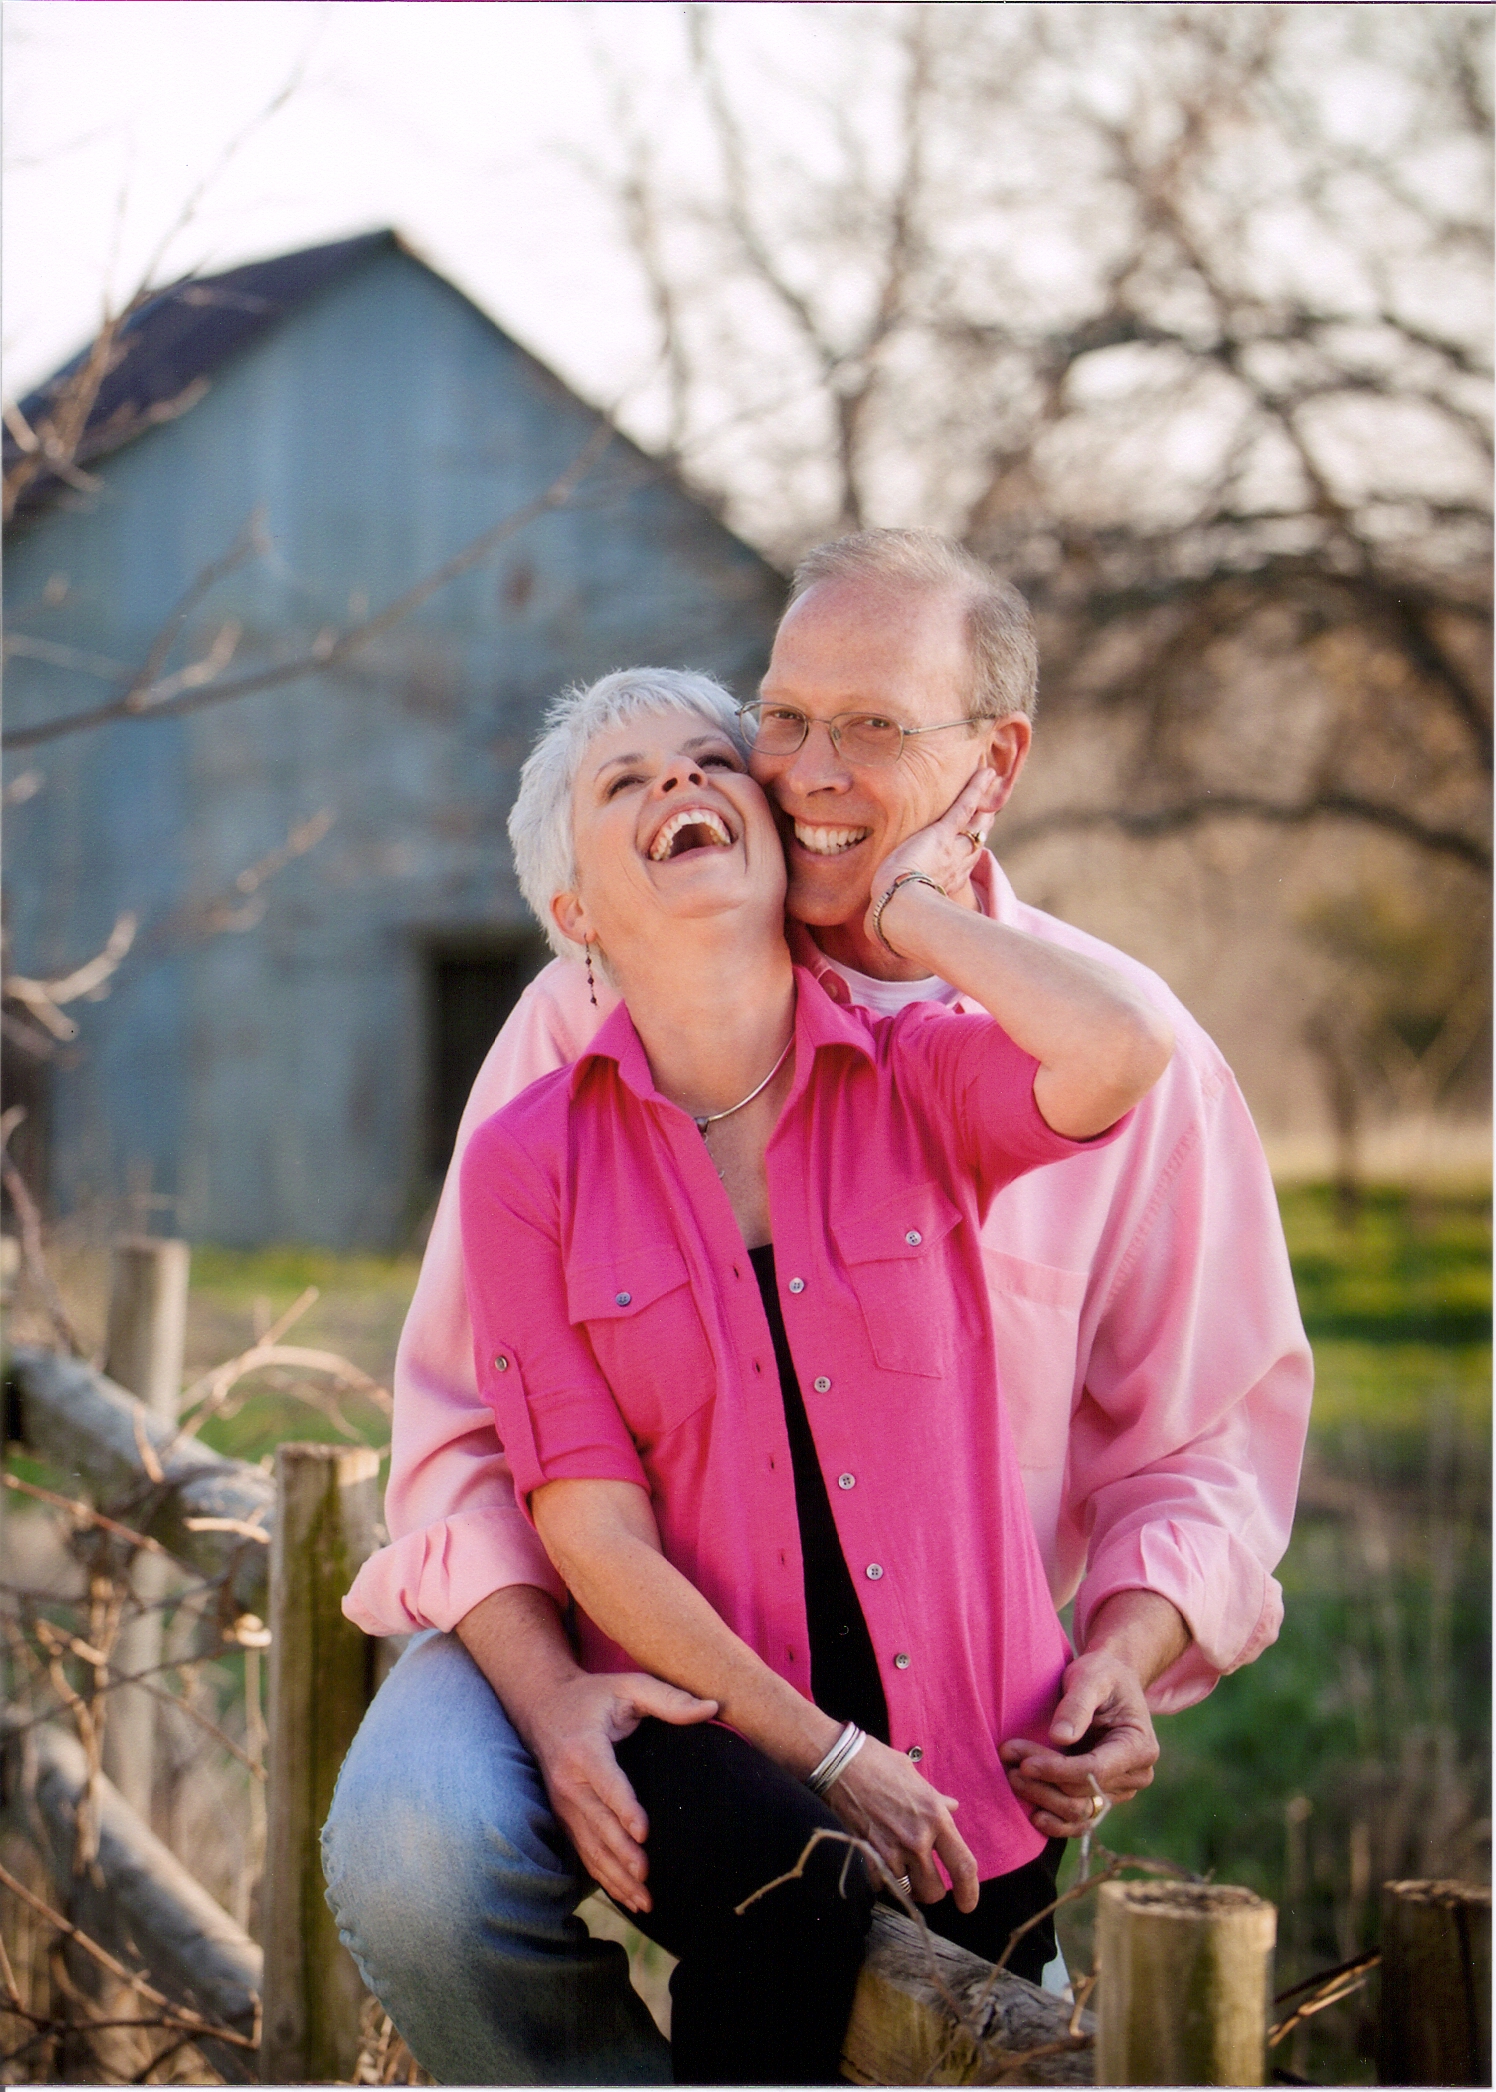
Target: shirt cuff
[
  {"x": 1231, "y": 1605},
  {"x": 435, "y": 1576}
]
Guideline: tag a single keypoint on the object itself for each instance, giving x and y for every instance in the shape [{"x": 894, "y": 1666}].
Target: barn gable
[{"x": 293, "y": 1077}]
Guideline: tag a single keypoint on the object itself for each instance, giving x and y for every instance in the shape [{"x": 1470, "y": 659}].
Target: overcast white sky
[{"x": 459, "y": 125}]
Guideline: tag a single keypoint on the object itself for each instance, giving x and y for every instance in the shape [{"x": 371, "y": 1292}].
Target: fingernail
[{"x": 1064, "y": 1730}]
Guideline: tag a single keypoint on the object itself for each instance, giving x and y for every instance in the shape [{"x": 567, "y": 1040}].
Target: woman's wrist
[{"x": 910, "y": 880}]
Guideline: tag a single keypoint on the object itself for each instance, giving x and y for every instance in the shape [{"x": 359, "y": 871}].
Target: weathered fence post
[
  {"x": 1186, "y": 1975},
  {"x": 146, "y": 1338},
  {"x": 320, "y": 1675},
  {"x": 1434, "y": 2025}
]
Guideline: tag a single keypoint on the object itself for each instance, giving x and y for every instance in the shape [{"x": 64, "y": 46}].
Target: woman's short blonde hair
[{"x": 540, "y": 826}]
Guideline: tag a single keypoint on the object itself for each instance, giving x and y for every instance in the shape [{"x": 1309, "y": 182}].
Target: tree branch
[{"x": 1214, "y": 806}]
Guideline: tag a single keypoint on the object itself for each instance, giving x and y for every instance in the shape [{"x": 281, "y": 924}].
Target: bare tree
[{"x": 1178, "y": 315}]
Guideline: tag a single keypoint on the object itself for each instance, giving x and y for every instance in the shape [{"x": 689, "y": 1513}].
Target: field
[
  {"x": 1357, "y": 1749},
  {"x": 1354, "y": 1751}
]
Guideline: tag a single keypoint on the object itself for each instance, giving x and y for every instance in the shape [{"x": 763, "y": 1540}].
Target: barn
[{"x": 298, "y": 801}]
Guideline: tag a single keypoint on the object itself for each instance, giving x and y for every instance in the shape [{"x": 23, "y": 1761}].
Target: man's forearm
[
  {"x": 1142, "y": 1629},
  {"x": 516, "y": 1638}
]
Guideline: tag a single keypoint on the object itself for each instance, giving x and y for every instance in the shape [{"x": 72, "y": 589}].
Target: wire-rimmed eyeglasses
[{"x": 859, "y": 737}]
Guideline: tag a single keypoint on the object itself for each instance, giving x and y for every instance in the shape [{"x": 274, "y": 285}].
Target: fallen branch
[{"x": 183, "y": 2016}]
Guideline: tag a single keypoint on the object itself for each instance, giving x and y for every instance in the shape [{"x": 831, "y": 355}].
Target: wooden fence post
[
  {"x": 320, "y": 1674},
  {"x": 146, "y": 1338},
  {"x": 1434, "y": 2024},
  {"x": 1185, "y": 1978}
]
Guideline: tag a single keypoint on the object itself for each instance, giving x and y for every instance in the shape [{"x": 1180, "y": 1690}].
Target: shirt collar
[{"x": 818, "y": 1022}]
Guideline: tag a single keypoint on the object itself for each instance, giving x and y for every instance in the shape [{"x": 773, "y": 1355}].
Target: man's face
[{"x": 861, "y": 646}]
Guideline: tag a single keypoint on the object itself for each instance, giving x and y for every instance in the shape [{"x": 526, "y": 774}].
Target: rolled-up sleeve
[
  {"x": 1186, "y": 1444},
  {"x": 555, "y": 1413}
]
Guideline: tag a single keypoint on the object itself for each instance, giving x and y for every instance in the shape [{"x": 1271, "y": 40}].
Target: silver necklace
[{"x": 710, "y": 1118}]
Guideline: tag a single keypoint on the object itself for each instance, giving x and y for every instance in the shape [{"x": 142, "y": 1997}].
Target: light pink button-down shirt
[
  {"x": 1153, "y": 1363},
  {"x": 620, "y": 1335}
]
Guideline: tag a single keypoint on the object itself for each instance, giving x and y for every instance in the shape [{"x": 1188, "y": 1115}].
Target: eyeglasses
[{"x": 859, "y": 737}]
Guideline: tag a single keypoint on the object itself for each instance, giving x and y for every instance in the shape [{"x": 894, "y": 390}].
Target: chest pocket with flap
[
  {"x": 646, "y": 1335},
  {"x": 892, "y": 1254}
]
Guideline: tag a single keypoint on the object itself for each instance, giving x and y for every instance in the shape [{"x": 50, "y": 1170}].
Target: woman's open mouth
[{"x": 691, "y": 828}]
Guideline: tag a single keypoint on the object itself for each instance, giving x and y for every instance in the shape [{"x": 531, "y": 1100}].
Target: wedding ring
[
  {"x": 972, "y": 837},
  {"x": 903, "y": 1883},
  {"x": 1098, "y": 1806}
]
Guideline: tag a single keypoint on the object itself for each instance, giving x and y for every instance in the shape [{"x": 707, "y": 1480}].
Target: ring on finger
[
  {"x": 1098, "y": 1806},
  {"x": 974, "y": 837}
]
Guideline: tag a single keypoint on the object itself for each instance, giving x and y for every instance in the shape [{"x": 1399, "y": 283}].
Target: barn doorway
[{"x": 472, "y": 987}]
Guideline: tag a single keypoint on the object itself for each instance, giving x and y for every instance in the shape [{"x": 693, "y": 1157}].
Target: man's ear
[
  {"x": 571, "y": 918},
  {"x": 1007, "y": 745}
]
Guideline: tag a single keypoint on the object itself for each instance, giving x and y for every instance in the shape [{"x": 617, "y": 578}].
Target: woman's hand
[
  {"x": 882, "y": 1798},
  {"x": 947, "y": 849}
]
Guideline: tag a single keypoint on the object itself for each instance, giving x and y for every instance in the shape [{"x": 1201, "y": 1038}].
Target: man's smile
[{"x": 828, "y": 842}]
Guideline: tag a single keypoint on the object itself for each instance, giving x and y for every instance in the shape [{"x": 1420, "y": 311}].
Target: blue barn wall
[{"x": 271, "y": 1082}]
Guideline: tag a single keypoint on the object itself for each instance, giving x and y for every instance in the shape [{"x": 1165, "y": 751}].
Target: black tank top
[{"x": 844, "y": 1679}]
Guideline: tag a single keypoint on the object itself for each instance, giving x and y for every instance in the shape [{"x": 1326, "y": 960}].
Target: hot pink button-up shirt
[
  {"x": 619, "y": 1334},
  {"x": 1153, "y": 1363}
]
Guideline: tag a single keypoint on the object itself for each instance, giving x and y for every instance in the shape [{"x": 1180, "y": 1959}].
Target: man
[{"x": 1152, "y": 1361}]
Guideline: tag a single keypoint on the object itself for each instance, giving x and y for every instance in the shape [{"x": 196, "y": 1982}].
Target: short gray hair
[
  {"x": 999, "y": 628},
  {"x": 540, "y": 826}
]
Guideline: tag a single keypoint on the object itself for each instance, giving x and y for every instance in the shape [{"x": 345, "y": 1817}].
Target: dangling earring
[{"x": 591, "y": 984}]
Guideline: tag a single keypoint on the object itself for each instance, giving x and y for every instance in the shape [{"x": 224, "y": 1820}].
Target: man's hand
[
  {"x": 1103, "y": 1704},
  {"x": 570, "y": 1721},
  {"x": 572, "y": 1730},
  {"x": 1103, "y": 1709}
]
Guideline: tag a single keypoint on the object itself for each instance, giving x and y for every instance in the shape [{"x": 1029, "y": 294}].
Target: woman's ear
[{"x": 571, "y": 918}]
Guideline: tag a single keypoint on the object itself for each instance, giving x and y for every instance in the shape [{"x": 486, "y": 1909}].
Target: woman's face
[{"x": 668, "y": 829}]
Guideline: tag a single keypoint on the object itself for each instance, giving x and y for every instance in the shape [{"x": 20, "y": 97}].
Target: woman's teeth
[
  {"x": 713, "y": 832},
  {"x": 827, "y": 842}
]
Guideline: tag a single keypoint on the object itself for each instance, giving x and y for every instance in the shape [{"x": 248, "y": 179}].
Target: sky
[{"x": 468, "y": 128}]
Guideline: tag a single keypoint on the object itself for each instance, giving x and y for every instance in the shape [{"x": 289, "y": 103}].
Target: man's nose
[{"x": 817, "y": 765}]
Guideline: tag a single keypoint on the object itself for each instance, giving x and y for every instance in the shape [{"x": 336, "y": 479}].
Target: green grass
[{"x": 1357, "y": 1748}]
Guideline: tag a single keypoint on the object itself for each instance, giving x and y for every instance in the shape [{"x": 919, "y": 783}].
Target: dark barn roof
[{"x": 176, "y": 338}]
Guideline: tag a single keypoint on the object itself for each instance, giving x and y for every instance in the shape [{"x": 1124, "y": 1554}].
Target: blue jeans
[{"x": 455, "y": 1891}]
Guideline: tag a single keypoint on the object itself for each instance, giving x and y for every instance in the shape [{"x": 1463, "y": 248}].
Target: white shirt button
[
  {"x": 915, "y": 1752},
  {"x": 622, "y": 1299},
  {"x": 914, "y": 1238},
  {"x": 874, "y": 1571},
  {"x": 846, "y": 1481},
  {"x": 901, "y": 1662},
  {"x": 821, "y": 1384},
  {"x": 797, "y": 1285},
  {"x": 501, "y": 1364}
]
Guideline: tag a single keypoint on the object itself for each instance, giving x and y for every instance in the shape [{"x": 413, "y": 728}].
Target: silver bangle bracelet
[
  {"x": 903, "y": 879},
  {"x": 836, "y": 1760}
]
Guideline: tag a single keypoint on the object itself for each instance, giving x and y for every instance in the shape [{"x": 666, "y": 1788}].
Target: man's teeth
[
  {"x": 827, "y": 842},
  {"x": 690, "y": 817}
]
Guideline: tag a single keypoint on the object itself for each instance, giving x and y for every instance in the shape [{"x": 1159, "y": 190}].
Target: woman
[{"x": 729, "y": 1311}]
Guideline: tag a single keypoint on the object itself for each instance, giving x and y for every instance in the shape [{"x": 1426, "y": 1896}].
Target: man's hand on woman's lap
[
  {"x": 573, "y": 1727},
  {"x": 570, "y": 1721}
]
